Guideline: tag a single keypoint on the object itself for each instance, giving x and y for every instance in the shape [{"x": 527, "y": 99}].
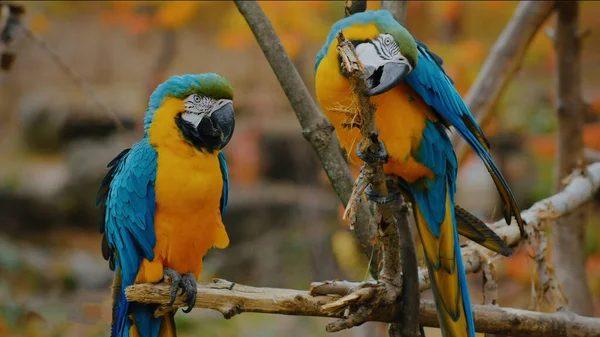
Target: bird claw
[
  {"x": 187, "y": 284},
  {"x": 369, "y": 156},
  {"x": 393, "y": 192},
  {"x": 372, "y": 195}
]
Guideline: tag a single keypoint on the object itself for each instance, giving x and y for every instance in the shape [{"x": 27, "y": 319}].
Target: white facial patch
[
  {"x": 196, "y": 108},
  {"x": 379, "y": 51}
]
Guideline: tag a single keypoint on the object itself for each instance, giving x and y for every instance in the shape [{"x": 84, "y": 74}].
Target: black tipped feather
[
  {"x": 476, "y": 230},
  {"x": 101, "y": 204}
]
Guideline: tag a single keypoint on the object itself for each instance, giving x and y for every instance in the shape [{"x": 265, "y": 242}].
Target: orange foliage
[
  {"x": 373, "y": 5},
  {"x": 595, "y": 105},
  {"x": 243, "y": 156},
  {"x": 545, "y": 145},
  {"x": 38, "y": 23},
  {"x": 140, "y": 16},
  {"x": 519, "y": 267},
  {"x": 176, "y": 14},
  {"x": 460, "y": 60},
  {"x": 296, "y": 23},
  {"x": 451, "y": 10},
  {"x": 124, "y": 13}
]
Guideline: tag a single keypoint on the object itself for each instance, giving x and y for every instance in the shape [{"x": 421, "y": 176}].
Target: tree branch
[
  {"x": 568, "y": 233},
  {"x": 504, "y": 59},
  {"x": 581, "y": 187},
  {"x": 397, "y": 8},
  {"x": 315, "y": 127},
  {"x": 408, "y": 325},
  {"x": 231, "y": 299},
  {"x": 363, "y": 298}
]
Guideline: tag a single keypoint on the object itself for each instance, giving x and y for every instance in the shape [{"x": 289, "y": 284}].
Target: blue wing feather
[
  {"x": 431, "y": 82},
  {"x": 225, "y": 174},
  {"x": 128, "y": 202},
  {"x": 437, "y": 89},
  {"x": 436, "y": 153}
]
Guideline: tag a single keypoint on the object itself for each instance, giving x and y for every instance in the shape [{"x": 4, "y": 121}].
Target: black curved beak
[
  {"x": 386, "y": 77},
  {"x": 223, "y": 119},
  {"x": 210, "y": 132}
]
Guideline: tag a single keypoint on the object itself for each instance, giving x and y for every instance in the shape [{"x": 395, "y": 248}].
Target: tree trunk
[{"x": 568, "y": 233}]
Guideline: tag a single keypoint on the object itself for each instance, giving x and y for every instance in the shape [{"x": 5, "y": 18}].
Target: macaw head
[
  {"x": 387, "y": 51},
  {"x": 200, "y": 106}
]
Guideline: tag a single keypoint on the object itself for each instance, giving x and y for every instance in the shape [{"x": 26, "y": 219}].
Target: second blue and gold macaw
[
  {"x": 162, "y": 201},
  {"x": 416, "y": 102}
]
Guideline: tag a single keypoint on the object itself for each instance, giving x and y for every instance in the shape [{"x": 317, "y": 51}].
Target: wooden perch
[
  {"x": 504, "y": 59},
  {"x": 231, "y": 299}
]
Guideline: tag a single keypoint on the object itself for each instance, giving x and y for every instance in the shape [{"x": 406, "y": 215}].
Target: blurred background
[{"x": 284, "y": 220}]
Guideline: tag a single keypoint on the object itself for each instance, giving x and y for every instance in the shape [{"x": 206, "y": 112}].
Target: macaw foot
[
  {"x": 393, "y": 192},
  {"x": 185, "y": 282},
  {"x": 369, "y": 156},
  {"x": 359, "y": 299}
]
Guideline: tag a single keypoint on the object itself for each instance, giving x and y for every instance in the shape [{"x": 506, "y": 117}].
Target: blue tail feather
[{"x": 121, "y": 322}]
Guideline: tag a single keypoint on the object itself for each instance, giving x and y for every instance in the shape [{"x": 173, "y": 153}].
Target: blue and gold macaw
[
  {"x": 416, "y": 103},
  {"x": 162, "y": 201}
]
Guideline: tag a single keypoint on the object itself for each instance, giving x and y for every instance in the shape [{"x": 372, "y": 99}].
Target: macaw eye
[
  {"x": 197, "y": 99},
  {"x": 387, "y": 41}
]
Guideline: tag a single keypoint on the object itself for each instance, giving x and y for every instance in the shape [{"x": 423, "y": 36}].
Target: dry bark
[
  {"x": 568, "y": 233},
  {"x": 231, "y": 299}
]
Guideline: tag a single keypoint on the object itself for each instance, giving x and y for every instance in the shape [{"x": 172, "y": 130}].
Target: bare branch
[
  {"x": 504, "y": 59},
  {"x": 390, "y": 287},
  {"x": 232, "y": 299},
  {"x": 490, "y": 284},
  {"x": 315, "y": 127},
  {"x": 568, "y": 234},
  {"x": 408, "y": 325}
]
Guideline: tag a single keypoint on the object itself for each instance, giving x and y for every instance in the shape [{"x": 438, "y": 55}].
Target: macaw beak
[
  {"x": 211, "y": 131},
  {"x": 386, "y": 76},
  {"x": 223, "y": 119}
]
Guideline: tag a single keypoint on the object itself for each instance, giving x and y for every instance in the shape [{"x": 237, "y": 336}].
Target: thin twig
[
  {"x": 504, "y": 59},
  {"x": 315, "y": 127},
  {"x": 54, "y": 56},
  {"x": 232, "y": 299}
]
